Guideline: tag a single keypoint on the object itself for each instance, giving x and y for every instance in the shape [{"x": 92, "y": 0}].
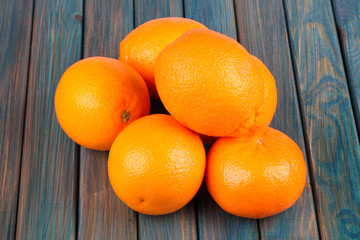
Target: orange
[
  {"x": 212, "y": 85},
  {"x": 156, "y": 165},
  {"x": 96, "y": 98},
  {"x": 257, "y": 175},
  {"x": 267, "y": 110},
  {"x": 141, "y": 46}
]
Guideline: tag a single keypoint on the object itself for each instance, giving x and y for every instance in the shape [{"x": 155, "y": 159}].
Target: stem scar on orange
[
  {"x": 256, "y": 175},
  {"x": 96, "y": 98}
]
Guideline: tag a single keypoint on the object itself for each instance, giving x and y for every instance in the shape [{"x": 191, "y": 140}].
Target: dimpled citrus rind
[
  {"x": 257, "y": 175},
  {"x": 209, "y": 83},
  {"x": 141, "y": 47},
  {"x": 92, "y": 97},
  {"x": 156, "y": 165}
]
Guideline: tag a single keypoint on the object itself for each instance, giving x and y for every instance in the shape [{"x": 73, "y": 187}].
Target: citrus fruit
[
  {"x": 96, "y": 98},
  {"x": 212, "y": 85},
  {"x": 266, "y": 112},
  {"x": 156, "y": 165},
  {"x": 257, "y": 175},
  {"x": 141, "y": 46}
]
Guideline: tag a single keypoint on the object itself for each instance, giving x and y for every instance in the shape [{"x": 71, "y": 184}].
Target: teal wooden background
[{"x": 51, "y": 188}]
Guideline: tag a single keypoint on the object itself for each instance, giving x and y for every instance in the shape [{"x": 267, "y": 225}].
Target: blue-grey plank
[
  {"x": 48, "y": 186},
  {"x": 101, "y": 214},
  {"x": 262, "y": 30},
  {"x": 178, "y": 225},
  {"x": 217, "y": 15},
  {"x": 213, "y": 222},
  {"x": 15, "y": 25},
  {"x": 347, "y": 16},
  {"x": 328, "y": 116},
  {"x": 146, "y": 10}
]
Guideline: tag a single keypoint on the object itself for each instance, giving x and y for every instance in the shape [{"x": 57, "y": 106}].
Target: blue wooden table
[{"x": 51, "y": 188}]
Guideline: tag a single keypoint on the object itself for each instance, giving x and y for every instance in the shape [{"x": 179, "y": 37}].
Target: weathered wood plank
[
  {"x": 347, "y": 16},
  {"x": 101, "y": 214},
  {"x": 329, "y": 120},
  {"x": 181, "y": 224},
  {"x": 146, "y": 10},
  {"x": 178, "y": 225},
  {"x": 48, "y": 186},
  {"x": 15, "y": 25},
  {"x": 217, "y": 15},
  {"x": 213, "y": 222},
  {"x": 262, "y": 29}
]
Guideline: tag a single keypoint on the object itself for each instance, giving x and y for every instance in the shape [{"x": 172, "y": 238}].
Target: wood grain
[
  {"x": 213, "y": 222},
  {"x": 146, "y": 10},
  {"x": 48, "y": 187},
  {"x": 181, "y": 224},
  {"x": 101, "y": 214},
  {"x": 217, "y": 15},
  {"x": 347, "y": 16},
  {"x": 15, "y": 25},
  {"x": 263, "y": 32},
  {"x": 178, "y": 225},
  {"x": 329, "y": 120}
]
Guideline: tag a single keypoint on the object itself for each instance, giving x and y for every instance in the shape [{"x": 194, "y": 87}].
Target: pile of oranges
[{"x": 213, "y": 88}]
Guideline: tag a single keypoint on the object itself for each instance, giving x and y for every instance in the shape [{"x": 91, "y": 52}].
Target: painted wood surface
[
  {"x": 178, "y": 225},
  {"x": 15, "y": 25},
  {"x": 146, "y": 10},
  {"x": 217, "y": 15},
  {"x": 329, "y": 120},
  {"x": 262, "y": 29},
  {"x": 49, "y": 171},
  {"x": 101, "y": 214},
  {"x": 347, "y": 16},
  {"x": 213, "y": 222}
]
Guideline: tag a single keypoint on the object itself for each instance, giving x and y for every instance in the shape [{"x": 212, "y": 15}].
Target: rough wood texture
[
  {"x": 215, "y": 223},
  {"x": 48, "y": 187},
  {"x": 262, "y": 29},
  {"x": 178, "y": 225},
  {"x": 347, "y": 15},
  {"x": 217, "y": 15},
  {"x": 211, "y": 219},
  {"x": 329, "y": 120},
  {"x": 146, "y": 10},
  {"x": 101, "y": 214},
  {"x": 15, "y": 25}
]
